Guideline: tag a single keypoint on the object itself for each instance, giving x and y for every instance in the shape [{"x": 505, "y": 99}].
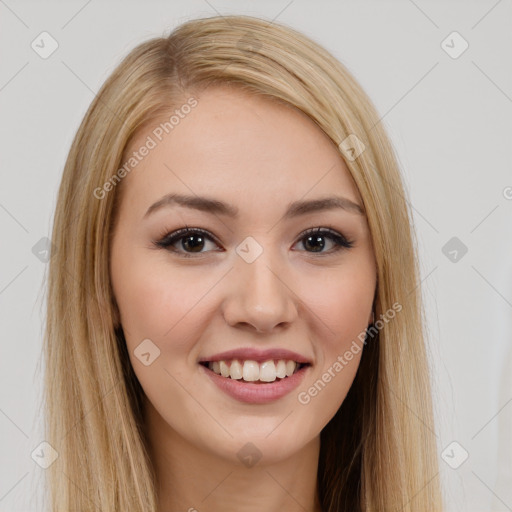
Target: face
[{"x": 255, "y": 273}]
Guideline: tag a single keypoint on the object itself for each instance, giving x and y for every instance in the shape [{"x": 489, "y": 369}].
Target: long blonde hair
[{"x": 376, "y": 455}]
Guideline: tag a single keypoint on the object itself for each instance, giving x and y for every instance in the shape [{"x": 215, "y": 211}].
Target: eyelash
[{"x": 170, "y": 238}]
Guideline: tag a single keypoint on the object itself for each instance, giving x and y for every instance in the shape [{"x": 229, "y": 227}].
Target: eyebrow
[{"x": 295, "y": 209}]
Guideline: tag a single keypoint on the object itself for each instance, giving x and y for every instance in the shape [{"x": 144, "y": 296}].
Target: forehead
[{"x": 236, "y": 142}]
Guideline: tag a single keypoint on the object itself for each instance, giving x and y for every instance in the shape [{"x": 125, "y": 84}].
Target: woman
[{"x": 205, "y": 350}]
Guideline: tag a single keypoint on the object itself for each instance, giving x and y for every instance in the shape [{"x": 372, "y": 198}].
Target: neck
[{"x": 192, "y": 479}]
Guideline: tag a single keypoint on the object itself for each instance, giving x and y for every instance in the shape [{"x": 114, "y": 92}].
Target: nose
[{"x": 260, "y": 298}]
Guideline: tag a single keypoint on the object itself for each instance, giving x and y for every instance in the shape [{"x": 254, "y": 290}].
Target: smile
[
  {"x": 252, "y": 371},
  {"x": 248, "y": 382}
]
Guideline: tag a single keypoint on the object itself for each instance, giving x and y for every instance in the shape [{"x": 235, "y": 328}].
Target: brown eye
[
  {"x": 194, "y": 242},
  {"x": 191, "y": 241},
  {"x": 188, "y": 241},
  {"x": 314, "y": 241}
]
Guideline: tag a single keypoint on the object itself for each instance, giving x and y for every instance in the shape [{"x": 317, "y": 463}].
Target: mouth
[{"x": 251, "y": 371}]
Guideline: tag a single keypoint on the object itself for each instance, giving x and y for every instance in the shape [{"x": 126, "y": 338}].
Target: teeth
[
  {"x": 224, "y": 369},
  {"x": 268, "y": 371},
  {"x": 235, "y": 370},
  {"x": 281, "y": 369},
  {"x": 251, "y": 371}
]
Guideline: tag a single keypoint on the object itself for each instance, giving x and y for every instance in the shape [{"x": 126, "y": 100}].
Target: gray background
[{"x": 450, "y": 120}]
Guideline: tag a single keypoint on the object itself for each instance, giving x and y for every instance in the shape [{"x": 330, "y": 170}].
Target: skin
[{"x": 258, "y": 156}]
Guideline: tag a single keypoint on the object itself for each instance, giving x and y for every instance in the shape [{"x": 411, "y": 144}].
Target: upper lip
[{"x": 260, "y": 356}]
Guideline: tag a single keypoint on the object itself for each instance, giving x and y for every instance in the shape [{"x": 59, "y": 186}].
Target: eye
[
  {"x": 192, "y": 240},
  {"x": 314, "y": 239}
]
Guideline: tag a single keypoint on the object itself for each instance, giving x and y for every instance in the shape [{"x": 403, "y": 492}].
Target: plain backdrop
[{"x": 449, "y": 117}]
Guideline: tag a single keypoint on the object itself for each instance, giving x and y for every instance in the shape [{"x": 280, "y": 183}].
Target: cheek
[
  {"x": 156, "y": 301},
  {"x": 346, "y": 312},
  {"x": 343, "y": 304},
  {"x": 342, "y": 310}
]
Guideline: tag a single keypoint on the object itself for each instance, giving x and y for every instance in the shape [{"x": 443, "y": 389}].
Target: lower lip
[{"x": 252, "y": 393}]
